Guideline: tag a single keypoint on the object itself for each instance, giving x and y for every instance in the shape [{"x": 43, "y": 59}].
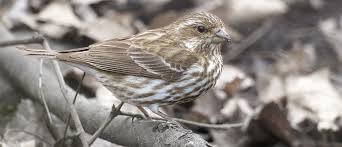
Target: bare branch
[
  {"x": 40, "y": 39},
  {"x": 35, "y": 39},
  {"x": 115, "y": 112},
  {"x": 73, "y": 102},
  {"x": 50, "y": 125},
  {"x": 73, "y": 112}
]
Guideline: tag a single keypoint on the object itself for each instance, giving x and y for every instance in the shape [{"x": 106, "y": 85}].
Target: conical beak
[{"x": 223, "y": 34}]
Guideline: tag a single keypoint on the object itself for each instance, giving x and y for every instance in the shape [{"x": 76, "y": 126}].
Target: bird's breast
[{"x": 144, "y": 91}]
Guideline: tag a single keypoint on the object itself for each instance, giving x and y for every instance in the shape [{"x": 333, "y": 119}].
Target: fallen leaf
[
  {"x": 53, "y": 30},
  {"x": 301, "y": 58},
  {"x": 235, "y": 105},
  {"x": 209, "y": 106},
  {"x": 270, "y": 124},
  {"x": 229, "y": 73},
  {"x": 105, "y": 28},
  {"x": 271, "y": 89},
  {"x": 314, "y": 94}
]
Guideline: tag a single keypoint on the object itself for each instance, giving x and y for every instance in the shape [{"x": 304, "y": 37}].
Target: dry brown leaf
[
  {"x": 232, "y": 87},
  {"x": 53, "y": 30},
  {"x": 29, "y": 143},
  {"x": 105, "y": 28},
  {"x": 13, "y": 14},
  {"x": 229, "y": 73},
  {"x": 269, "y": 86},
  {"x": 55, "y": 20},
  {"x": 271, "y": 123},
  {"x": 235, "y": 105},
  {"x": 301, "y": 58},
  {"x": 28, "y": 118},
  {"x": 313, "y": 97},
  {"x": 272, "y": 90},
  {"x": 209, "y": 106}
]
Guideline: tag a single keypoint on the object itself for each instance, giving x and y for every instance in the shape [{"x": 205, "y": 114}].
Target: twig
[
  {"x": 40, "y": 39},
  {"x": 250, "y": 40},
  {"x": 73, "y": 102},
  {"x": 205, "y": 125},
  {"x": 46, "y": 108},
  {"x": 55, "y": 134},
  {"x": 115, "y": 112},
  {"x": 35, "y": 39},
  {"x": 64, "y": 91}
]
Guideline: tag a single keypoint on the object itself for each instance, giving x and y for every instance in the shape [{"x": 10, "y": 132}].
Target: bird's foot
[
  {"x": 138, "y": 117},
  {"x": 155, "y": 109}
]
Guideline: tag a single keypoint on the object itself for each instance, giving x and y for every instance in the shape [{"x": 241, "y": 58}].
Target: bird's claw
[{"x": 137, "y": 116}]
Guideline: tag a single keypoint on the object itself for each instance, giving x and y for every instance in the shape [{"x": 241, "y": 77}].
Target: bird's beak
[{"x": 223, "y": 34}]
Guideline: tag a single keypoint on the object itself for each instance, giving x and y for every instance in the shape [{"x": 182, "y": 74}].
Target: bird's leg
[
  {"x": 155, "y": 109},
  {"x": 169, "y": 120},
  {"x": 143, "y": 110}
]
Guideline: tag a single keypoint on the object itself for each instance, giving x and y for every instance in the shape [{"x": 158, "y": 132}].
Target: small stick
[
  {"x": 115, "y": 112},
  {"x": 40, "y": 39},
  {"x": 35, "y": 39},
  {"x": 52, "y": 128},
  {"x": 205, "y": 125},
  {"x": 41, "y": 94},
  {"x": 64, "y": 91},
  {"x": 73, "y": 102}
]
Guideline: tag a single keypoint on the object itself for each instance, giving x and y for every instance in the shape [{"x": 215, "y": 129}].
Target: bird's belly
[{"x": 145, "y": 91}]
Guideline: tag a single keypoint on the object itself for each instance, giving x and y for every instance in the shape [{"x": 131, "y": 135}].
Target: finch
[{"x": 172, "y": 64}]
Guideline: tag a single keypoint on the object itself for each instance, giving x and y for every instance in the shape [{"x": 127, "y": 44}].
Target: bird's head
[{"x": 198, "y": 31}]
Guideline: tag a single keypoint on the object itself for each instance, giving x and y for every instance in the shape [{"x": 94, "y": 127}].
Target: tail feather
[{"x": 42, "y": 53}]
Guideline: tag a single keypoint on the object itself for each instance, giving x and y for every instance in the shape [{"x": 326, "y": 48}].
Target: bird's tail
[{"x": 40, "y": 53}]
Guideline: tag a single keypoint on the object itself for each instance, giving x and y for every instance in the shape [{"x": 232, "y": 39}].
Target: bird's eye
[{"x": 201, "y": 29}]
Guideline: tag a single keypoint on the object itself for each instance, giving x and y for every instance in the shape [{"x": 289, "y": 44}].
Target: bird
[{"x": 172, "y": 64}]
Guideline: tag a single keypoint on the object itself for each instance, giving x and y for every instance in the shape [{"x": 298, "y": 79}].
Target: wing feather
[{"x": 123, "y": 58}]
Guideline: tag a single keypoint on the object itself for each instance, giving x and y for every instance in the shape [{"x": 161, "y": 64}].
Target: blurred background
[{"x": 282, "y": 75}]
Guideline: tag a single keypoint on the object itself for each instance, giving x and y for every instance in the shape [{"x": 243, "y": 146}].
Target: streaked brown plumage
[{"x": 172, "y": 64}]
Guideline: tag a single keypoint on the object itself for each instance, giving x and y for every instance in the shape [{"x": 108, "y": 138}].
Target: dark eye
[{"x": 201, "y": 29}]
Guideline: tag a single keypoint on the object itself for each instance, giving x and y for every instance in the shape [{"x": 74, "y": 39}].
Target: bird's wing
[{"x": 120, "y": 57}]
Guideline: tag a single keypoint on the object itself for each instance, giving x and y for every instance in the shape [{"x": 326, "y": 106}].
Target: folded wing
[{"x": 123, "y": 58}]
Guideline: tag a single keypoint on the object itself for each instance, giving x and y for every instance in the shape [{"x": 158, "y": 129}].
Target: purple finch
[{"x": 173, "y": 64}]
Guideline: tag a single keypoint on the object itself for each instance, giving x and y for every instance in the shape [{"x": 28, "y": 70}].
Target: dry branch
[{"x": 23, "y": 73}]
